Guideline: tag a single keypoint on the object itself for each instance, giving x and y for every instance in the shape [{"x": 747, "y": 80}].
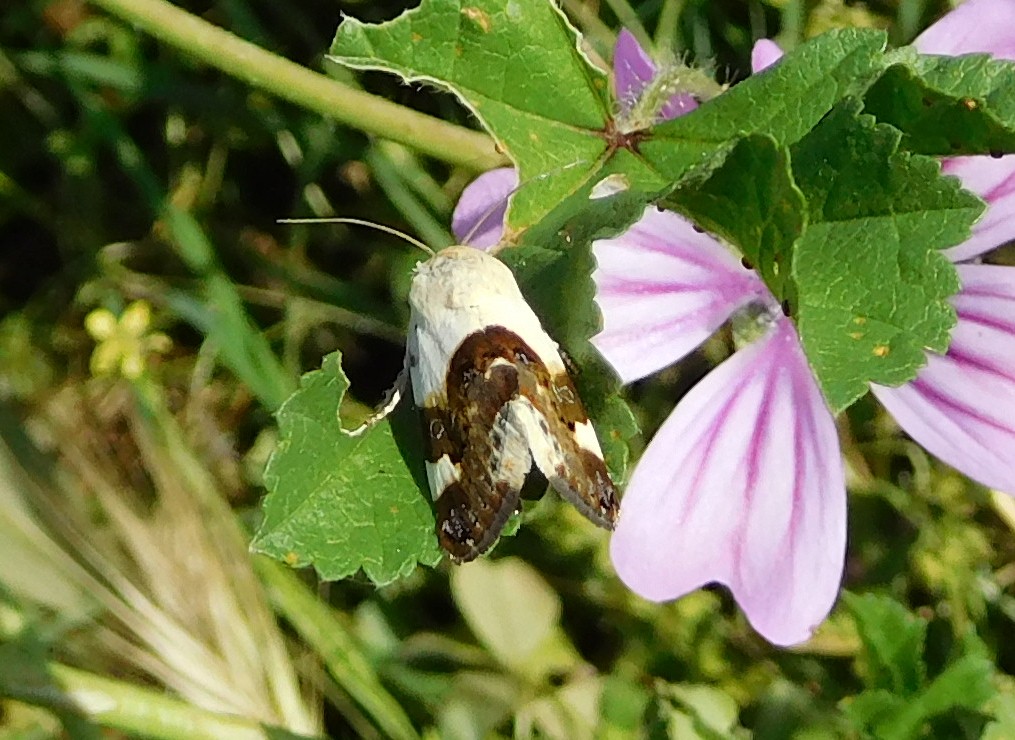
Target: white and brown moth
[{"x": 496, "y": 401}]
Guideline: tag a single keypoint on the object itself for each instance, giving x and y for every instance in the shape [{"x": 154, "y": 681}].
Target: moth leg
[{"x": 388, "y": 403}]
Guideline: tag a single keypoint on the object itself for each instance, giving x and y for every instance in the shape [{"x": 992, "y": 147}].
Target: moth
[{"x": 496, "y": 401}]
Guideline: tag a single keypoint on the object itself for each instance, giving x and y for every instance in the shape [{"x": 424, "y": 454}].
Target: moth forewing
[{"x": 496, "y": 399}]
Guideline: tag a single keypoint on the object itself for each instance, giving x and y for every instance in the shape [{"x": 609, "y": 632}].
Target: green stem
[
  {"x": 316, "y": 623},
  {"x": 630, "y": 20},
  {"x": 312, "y": 90},
  {"x": 390, "y": 177},
  {"x": 130, "y": 708},
  {"x": 601, "y": 36},
  {"x": 666, "y": 28}
]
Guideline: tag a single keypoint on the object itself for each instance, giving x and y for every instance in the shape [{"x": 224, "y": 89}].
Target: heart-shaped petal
[{"x": 743, "y": 485}]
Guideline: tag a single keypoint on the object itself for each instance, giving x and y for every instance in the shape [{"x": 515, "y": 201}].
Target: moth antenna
[{"x": 360, "y": 222}]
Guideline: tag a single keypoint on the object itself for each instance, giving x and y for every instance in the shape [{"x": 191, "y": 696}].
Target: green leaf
[
  {"x": 509, "y": 607},
  {"x": 1002, "y": 709},
  {"x": 752, "y": 202},
  {"x": 871, "y": 708},
  {"x": 714, "y": 711},
  {"x": 624, "y": 702},
  {"x": 554, "y": 266},
  {"x": 517, "y": 67},
  {"x": 343, "y": 503},
  {"x": 872, "y": 287},
  {"x": 948, "y": 105},
  {"x": 901, "y": 700},
  {"x": 693, "y": 711},
  {"x": 784, "y": 102},
  {"x": 893, "y": 641},
  {"x": 965, "y": 683}
]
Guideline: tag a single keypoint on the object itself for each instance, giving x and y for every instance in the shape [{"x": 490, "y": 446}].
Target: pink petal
[
  {"x": 678, "y": 105},
  {"x": 764, "y": 54},
  {"x": 994, "y": 181},
  {"x": 664, "y": 288},
  {"x": 743, "y": 485},
  {"x": 478, "y": 220},
  {"x": 975, "y": 26},
  {"x": 961, "y": 406},
  {"x": 633, "y": 70},
  {"x": 980, "y": 26}
]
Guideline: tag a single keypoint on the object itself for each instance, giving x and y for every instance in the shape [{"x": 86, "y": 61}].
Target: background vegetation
[{"x": 154, "y": 314}]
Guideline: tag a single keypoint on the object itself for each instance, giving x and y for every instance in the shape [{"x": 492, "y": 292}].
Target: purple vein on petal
[
  {"x": 663, "y": 288},
  {"x": 743, "y": 485},
  {"x": 975, "y": 422},
  {"x": 994, "y": 181},
  {"x": 961, "y": 406}
]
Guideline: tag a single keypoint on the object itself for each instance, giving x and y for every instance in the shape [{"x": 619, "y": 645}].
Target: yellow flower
[{"x": 123, "y": 343}]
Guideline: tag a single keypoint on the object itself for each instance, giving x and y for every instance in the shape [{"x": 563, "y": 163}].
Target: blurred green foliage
[{"x": 129, "y": 171}]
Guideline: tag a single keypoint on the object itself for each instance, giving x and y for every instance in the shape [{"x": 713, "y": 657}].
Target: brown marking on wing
[
  {"x": 488, "y": 370},
  {"x": 580, "y": 476},
  {"x": 467, "y": 525},
  {"x": 472, "y": 511}
]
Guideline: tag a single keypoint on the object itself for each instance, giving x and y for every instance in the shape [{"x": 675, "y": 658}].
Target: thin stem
[
  {"x": 630, "y": 20},
  {"x": 316, "y": 623},
  {"x": 601, "y": 36},
  {"x": 666, "y": 29},
  {"x": 312, "y": 90},
  {"x": 128, "y": 707}
]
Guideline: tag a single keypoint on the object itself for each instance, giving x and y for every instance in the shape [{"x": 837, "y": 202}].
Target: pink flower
[
  {"x": 961, "y": 406},
  {"x": 743, "y": 485}
]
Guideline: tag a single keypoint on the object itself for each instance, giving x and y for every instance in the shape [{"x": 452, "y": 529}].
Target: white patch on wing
[
  {"x": 546, "y": 450},
  {"x": 556, "y": 459},
  {"x": 512, "y": 461},
  {"x": 586, "y": 437},
  {"x": 441, "y": 474}
]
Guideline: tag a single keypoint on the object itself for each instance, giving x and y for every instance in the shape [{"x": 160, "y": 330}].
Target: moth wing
[
  {"x": 479, "y": 493},
  {"x": 565, "y": 448}
]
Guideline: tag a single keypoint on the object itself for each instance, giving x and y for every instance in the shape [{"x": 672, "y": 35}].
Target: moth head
[{"x": 457, "y": 276}]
